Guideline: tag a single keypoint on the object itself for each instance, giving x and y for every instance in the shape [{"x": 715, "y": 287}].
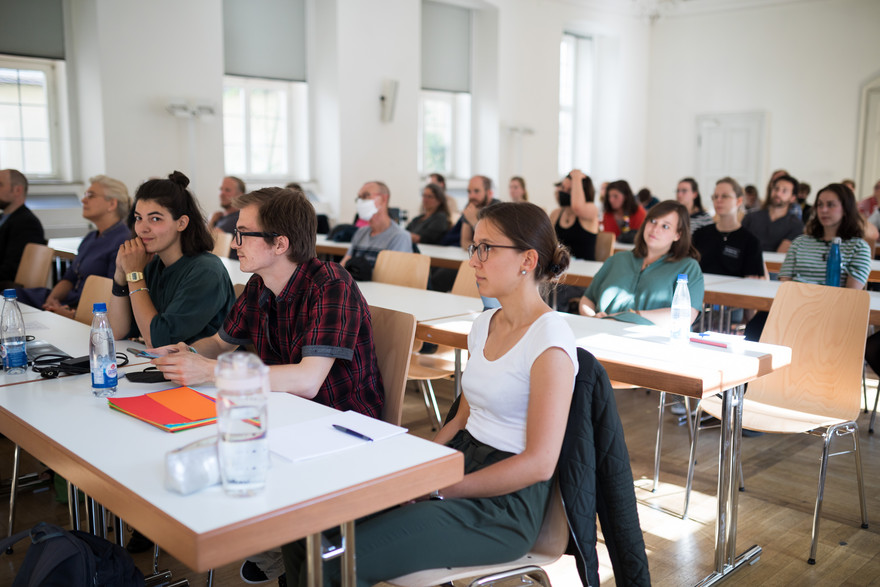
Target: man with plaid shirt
[{"x": 306, "y": 318}]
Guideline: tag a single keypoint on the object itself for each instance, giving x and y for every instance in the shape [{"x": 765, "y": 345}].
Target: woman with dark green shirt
[{"x": 168, "y": 287}]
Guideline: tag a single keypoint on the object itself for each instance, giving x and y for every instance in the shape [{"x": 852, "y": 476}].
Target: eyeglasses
[
  {"x": 482, "y": 250},
  {"x": 237, "y": 234}
]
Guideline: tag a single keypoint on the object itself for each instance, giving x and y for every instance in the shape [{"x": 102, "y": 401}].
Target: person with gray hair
[
  {"x": 380, "y": 234},
  {"x": 105, "y": 204},
  {"x": 18, "y": 225}
]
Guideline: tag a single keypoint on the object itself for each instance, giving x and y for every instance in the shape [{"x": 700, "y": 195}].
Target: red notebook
[{"x": 171, "y": 410}]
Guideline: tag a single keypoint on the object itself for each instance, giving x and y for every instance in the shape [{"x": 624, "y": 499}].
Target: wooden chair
[
  {"x": 465, "y": 281},
  {"x": 550, "y": 545},
  {"x": 36, "y": 262},
  {"x": 96, "y": 289},
  {"x": 238, "y": 288},
  {"x": 604, "y": 245},
  {"x": 407, "y": 269},
  {"x": 819, "y": 392},
  {"x": 393, "y": 335},
  {"x": 222, "y": 242}
]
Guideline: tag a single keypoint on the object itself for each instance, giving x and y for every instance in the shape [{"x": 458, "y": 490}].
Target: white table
[
  {"x": 119, "y": 461},
  {"x": 643, "y": 355}
]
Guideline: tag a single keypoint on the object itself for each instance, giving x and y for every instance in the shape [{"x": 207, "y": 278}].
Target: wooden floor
[{"x": 781, "y": 473}]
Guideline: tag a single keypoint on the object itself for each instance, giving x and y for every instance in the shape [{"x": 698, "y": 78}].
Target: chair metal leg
[
  {"x": 873, "y": 413},
  {"x": 692, "y": 461},
  {"x": 535, "y": 573},
  {"x": 13, "y": 488},
  {"x": 820, "y": 494},
  {"x": 430, "y": 403},
  {"x": 857, "y": 454},
  {"x": 659, "y": 440},
  {"x": 73, "y": 506}
]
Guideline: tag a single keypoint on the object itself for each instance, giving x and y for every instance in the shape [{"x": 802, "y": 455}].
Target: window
[
  {"x": 575, "y": 103},
  {"x": 29, "y": 139},
  {"x": 444, "y": 140},
  {"x": 265, "y": 128}
]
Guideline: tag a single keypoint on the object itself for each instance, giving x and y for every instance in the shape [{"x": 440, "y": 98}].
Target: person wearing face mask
[
  {"x": 576, "y": 221},
  {"x": 381, "y": 233}
]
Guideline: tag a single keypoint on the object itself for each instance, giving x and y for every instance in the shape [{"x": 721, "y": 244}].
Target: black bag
[
  {"x": 60, "y": 558},
  {"x": 342, "y": 233},
  {"x": 360, "y": 268}
]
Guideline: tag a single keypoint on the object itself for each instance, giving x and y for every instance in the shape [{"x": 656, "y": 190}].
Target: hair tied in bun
[{"x": 179, "y": 178}]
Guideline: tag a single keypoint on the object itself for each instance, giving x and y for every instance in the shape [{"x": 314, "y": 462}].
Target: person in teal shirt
[{"x": 637, "y": 286}]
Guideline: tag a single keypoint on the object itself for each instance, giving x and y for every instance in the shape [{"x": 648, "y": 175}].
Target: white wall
[
  {"x": 130, "y": 59},
  {"x": 803, "y": 63}
]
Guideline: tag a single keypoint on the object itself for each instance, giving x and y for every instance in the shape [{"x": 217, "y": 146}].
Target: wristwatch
[{"x": 134, "y": 276}]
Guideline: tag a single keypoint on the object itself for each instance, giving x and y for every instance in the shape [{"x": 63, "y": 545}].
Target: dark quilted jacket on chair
[{"x": 595, "y": 478}]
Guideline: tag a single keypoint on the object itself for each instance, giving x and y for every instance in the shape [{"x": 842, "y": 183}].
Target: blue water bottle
[{"x": 832, "y": 267}]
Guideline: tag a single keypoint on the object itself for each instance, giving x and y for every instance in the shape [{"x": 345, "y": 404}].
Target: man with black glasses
[{"x": 307, "y": 318}]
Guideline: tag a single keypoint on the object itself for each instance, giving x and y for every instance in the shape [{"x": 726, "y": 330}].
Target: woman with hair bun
[
  {"x": 168, "y": 287},
  {"x": 516, "y": 391}
]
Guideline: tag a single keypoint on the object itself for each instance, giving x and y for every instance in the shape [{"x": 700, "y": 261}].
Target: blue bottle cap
[
  {"x": 99, "y": 307},
  {"x": 9, "y": 293},
  {"x": 683, "y": 276}
]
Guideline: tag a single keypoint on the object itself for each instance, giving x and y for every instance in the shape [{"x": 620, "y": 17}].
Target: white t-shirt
[{"x": 498, "y": 391}]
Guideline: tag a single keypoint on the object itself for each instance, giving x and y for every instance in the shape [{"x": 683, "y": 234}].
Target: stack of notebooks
[{"x": 171, "y": 410}]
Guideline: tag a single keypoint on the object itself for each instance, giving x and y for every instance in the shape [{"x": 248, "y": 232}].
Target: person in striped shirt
[{"x": 835, "y": 215}]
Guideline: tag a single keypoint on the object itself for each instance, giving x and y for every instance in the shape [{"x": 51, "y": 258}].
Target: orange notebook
[{"x": 171, "y": 410}]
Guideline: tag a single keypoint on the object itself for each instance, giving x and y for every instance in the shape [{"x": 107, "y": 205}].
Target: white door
[
  {"x": 729, "y": 145},
  {"x": 871, "y": 153}
]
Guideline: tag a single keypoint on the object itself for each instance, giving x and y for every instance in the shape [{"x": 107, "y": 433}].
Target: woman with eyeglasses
[
  {"x": 637, "y": 286},
  {"x": 516, "y": 391},
  {"x": 168, "y": 287}
]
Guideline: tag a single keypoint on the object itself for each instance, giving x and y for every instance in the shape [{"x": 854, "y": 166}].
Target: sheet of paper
[{"x": 315, "y": 438}]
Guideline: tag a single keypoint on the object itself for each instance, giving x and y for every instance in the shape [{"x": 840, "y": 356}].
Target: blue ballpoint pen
[{"x": 352, "y": 433}]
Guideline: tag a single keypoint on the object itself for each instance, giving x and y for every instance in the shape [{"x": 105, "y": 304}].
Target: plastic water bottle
[
  {"x": 832, "y": 267},
  {"x": 681, "y": 310},
  {"x": 102, "y": 353},
  {"x": 243, "y": 444},
  {"x": 12, "y": 335}
]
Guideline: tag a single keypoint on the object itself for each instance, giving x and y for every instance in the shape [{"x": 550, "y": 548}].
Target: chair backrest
[
  {"x": 604, "y": 245},
  {"x": 398, "y": 268},
  {"x": 393, "y": 335},
  {"x": 466, "y": 281},
  {"x": 825, "y": 328},
  {"x": 96, "y": 289},
  {"x": 222, "y": 242},
  {"x": 33, "y": 269},
  {"x": 238, "y": 288},
  {"x": 552, "y": 540}
]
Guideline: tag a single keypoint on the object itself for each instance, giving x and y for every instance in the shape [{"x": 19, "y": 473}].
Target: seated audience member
[
  {"x": 647, "y": 199},
  {"x": 751, "y": 201},
  {"x": 637, "y": 286},
  {"x": 576, "y": 220},
  {"x": 292, "y": 310},
  {"x": 18, "y": 225},
  {"x": 308, "y": 351},
  {"x": 430, "y": 226},
  {"x": 688, "y": 195},
  {"x": 225, "y": 219},
  {"x": 773, "y": 177},
  {"x": 772, "y": 224},
  {"x": 726, "y": 248},
  {"x": 480, "y": 195},
  {"x": 871, "y": 203},
  {"x": 835, "y": 214},
  {"x": 106, "y": 205},
  {"x": 803, "y": 193},
  {"x": 517, "y": 189},
  {"x": 168, "y": 287},
  {"x": 623, "y": 215},
  {"x": 381, "y": 233},
  {"x": 850, "y": 184},
  {"x": 516, "y": 391}
]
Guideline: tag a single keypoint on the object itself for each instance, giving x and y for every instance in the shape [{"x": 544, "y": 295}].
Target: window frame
[
  {"x": 297, "y": 128},
  {"x": 460, "y": 150},
  {"x": 581, "y": 109},
  {"x": 59, "y": 135}
]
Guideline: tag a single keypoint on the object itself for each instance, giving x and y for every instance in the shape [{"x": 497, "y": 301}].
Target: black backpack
[{"x": 60, "y": 558}]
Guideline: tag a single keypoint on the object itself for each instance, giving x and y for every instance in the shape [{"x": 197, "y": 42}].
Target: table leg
[
  {"x": 314, "y": 562},
  {"x": 457, "y": 375},
  {"x": 726, "y": 560},
  {"x": 349, "y": 574}
]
